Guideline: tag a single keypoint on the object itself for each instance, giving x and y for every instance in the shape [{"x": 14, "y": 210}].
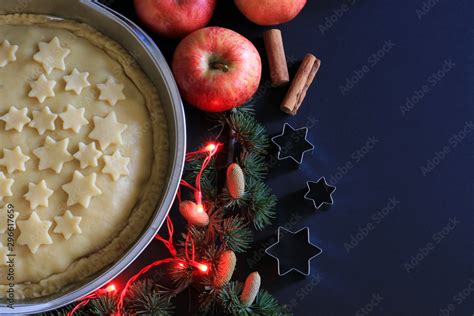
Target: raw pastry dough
[
  {"x": 7, "y": 53},
  {"x": 73, "y": 118},
  {"x": 42, "y": 88},
  {"x": 76, "y": 81},
  {"x": 16, "y": 119},
  {"x": 51, "y": 55},
  {"x": 113, "y": 213},
  {"x": 43, "y": 120}
]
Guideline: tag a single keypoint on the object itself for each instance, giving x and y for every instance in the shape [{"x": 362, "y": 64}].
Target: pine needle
[{"x": 235, "y": 234}]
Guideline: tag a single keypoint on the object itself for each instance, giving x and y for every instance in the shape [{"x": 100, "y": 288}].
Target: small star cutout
[
  {"x": 51, "y": 55},
  {"x": 3, "y": 255},
  {"x": 67, "y": 225},
  {"x": 14, "y": 160},
  {"x": 111, "y": 91},
  {"x": 319, "y": 192},
  {"x": 76, "y": 81},
  {"x": 53, "y": 154},
  {"x": 42, "y": 88},
  {"x": 293, "y": 251},
  {"x": 116, "y": 165},
  {"x": 73, "y": 118},
  {"x": 7, "y": 53},
  {"x": 5, "y": 186},
  {"x": 88, "y": 155},
  {"x": 107, "y": 130},
  {"x": 34, "y": 232},
  {"x": 43, "y": 120},
  {"x": 16, "y": 119},
  {"x": 292, "y": 143},
  {"x": 38, "y": 194},
  {"x": 81, "y": 189},
  {"x": 5, "y": 219}
]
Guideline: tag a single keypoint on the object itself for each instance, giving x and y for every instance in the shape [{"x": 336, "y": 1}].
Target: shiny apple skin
[
  {"x": 270, "y": 12},
  {"x": 211, "y": 89},
  {"x": 175, "y": 18}
]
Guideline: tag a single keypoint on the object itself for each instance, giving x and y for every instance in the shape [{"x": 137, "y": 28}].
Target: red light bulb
[
  {"x": 211, "y": 147},
  {"x": 200, "y": 208},
  {"x": 202, "y": 267}
]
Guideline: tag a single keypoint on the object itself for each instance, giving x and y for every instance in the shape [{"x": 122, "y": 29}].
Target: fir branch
[
  {"x": 229, "y": 298},
  {"x": 261, "y": 205},
  {"x": 253, "y": 165},
  {"x": 235, "y": 234},
  {"x": 229, "y": 203},
  {"x": 216, "y": 216},
  {"x": 248, "y": 132},
  {"x": 145, "y": 299},
  {"x": 266, "y": 304},
  {"x": 102, "y": 305},
  {"x": 209, "y": 303},
  {"x": 181, "y": 277}
]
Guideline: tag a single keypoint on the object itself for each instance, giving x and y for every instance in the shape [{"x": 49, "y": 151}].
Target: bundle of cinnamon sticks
[{"x": 280, "y": 76}]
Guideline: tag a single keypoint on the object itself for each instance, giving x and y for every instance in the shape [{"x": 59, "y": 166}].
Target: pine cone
[
  {"x": 251, "y": 287},
  {"x": 191, "y": 213},
  {"x": 225, "y": 268},
  {"x": 235, "y": 181}
]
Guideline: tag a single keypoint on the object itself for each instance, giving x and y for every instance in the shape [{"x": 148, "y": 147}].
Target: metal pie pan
[{"x": 150, "y": 59}]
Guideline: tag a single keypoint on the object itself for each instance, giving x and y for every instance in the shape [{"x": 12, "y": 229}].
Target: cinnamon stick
[
  {"x": 276, "y": 57},
  {"x": 300, "y": 84}
]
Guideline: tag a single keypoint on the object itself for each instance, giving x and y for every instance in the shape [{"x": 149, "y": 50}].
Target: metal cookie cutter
[
  {"x": 292, "y": 143},
  {"x": 293, "y": 251},
  {"x": 319, "y": 192}
]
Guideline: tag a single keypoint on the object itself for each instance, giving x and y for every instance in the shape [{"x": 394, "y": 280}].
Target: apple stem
[{"x": 220, "y": 66}]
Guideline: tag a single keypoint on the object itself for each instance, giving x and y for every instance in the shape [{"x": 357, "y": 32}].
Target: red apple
[
  {"x": 216, "y": 69},
  {"x": 175, "y": 18},
  {"x": 270, "y": 12}
]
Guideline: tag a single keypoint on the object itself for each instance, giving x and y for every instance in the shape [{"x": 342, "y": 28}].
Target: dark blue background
[{"x": 433, "y": 219}]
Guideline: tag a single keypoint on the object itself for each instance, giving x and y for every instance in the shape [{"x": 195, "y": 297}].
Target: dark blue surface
[{"x": 397, "y": 142}]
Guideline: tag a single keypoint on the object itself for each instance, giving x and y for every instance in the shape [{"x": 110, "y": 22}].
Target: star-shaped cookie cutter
[
  {"x": 292, "y": 253},
  {"x": 290, "y": 140},
  {"x": 319, "y": 192}
]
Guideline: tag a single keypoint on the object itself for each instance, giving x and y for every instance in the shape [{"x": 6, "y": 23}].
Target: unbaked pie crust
[{"x": 83, "y": 151}]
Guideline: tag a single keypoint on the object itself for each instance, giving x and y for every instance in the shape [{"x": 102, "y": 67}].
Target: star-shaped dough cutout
[
  {"x": 111, "y": 91},
  {"x": 5, "y": 219},
  {"x": 67, "y": 225},
  {"x": 5, "y": 186},
  {"x": 107, "y": 130},
  {"x": 3, "y": 255},
  {"x": 76, "y": 81},
  {"x": 34, "y": 232},
  {"x": 81, "y": 189},
  {"x": 73, "y": 118},
  {"x": 53, "y": 154},
  {"x": 116, "y": 165},
  {"x": 7, "y": 53},
  {"x": 14, "y": 159},
  {"x": 38, "y": 194},
  {"x": 51, "y": 55},
  {"x": 43, "y": 120},
  {"x": 42, "y": 88},
  {"x": 16, "y": 119},
  {"x": 88, "y": 155}
]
